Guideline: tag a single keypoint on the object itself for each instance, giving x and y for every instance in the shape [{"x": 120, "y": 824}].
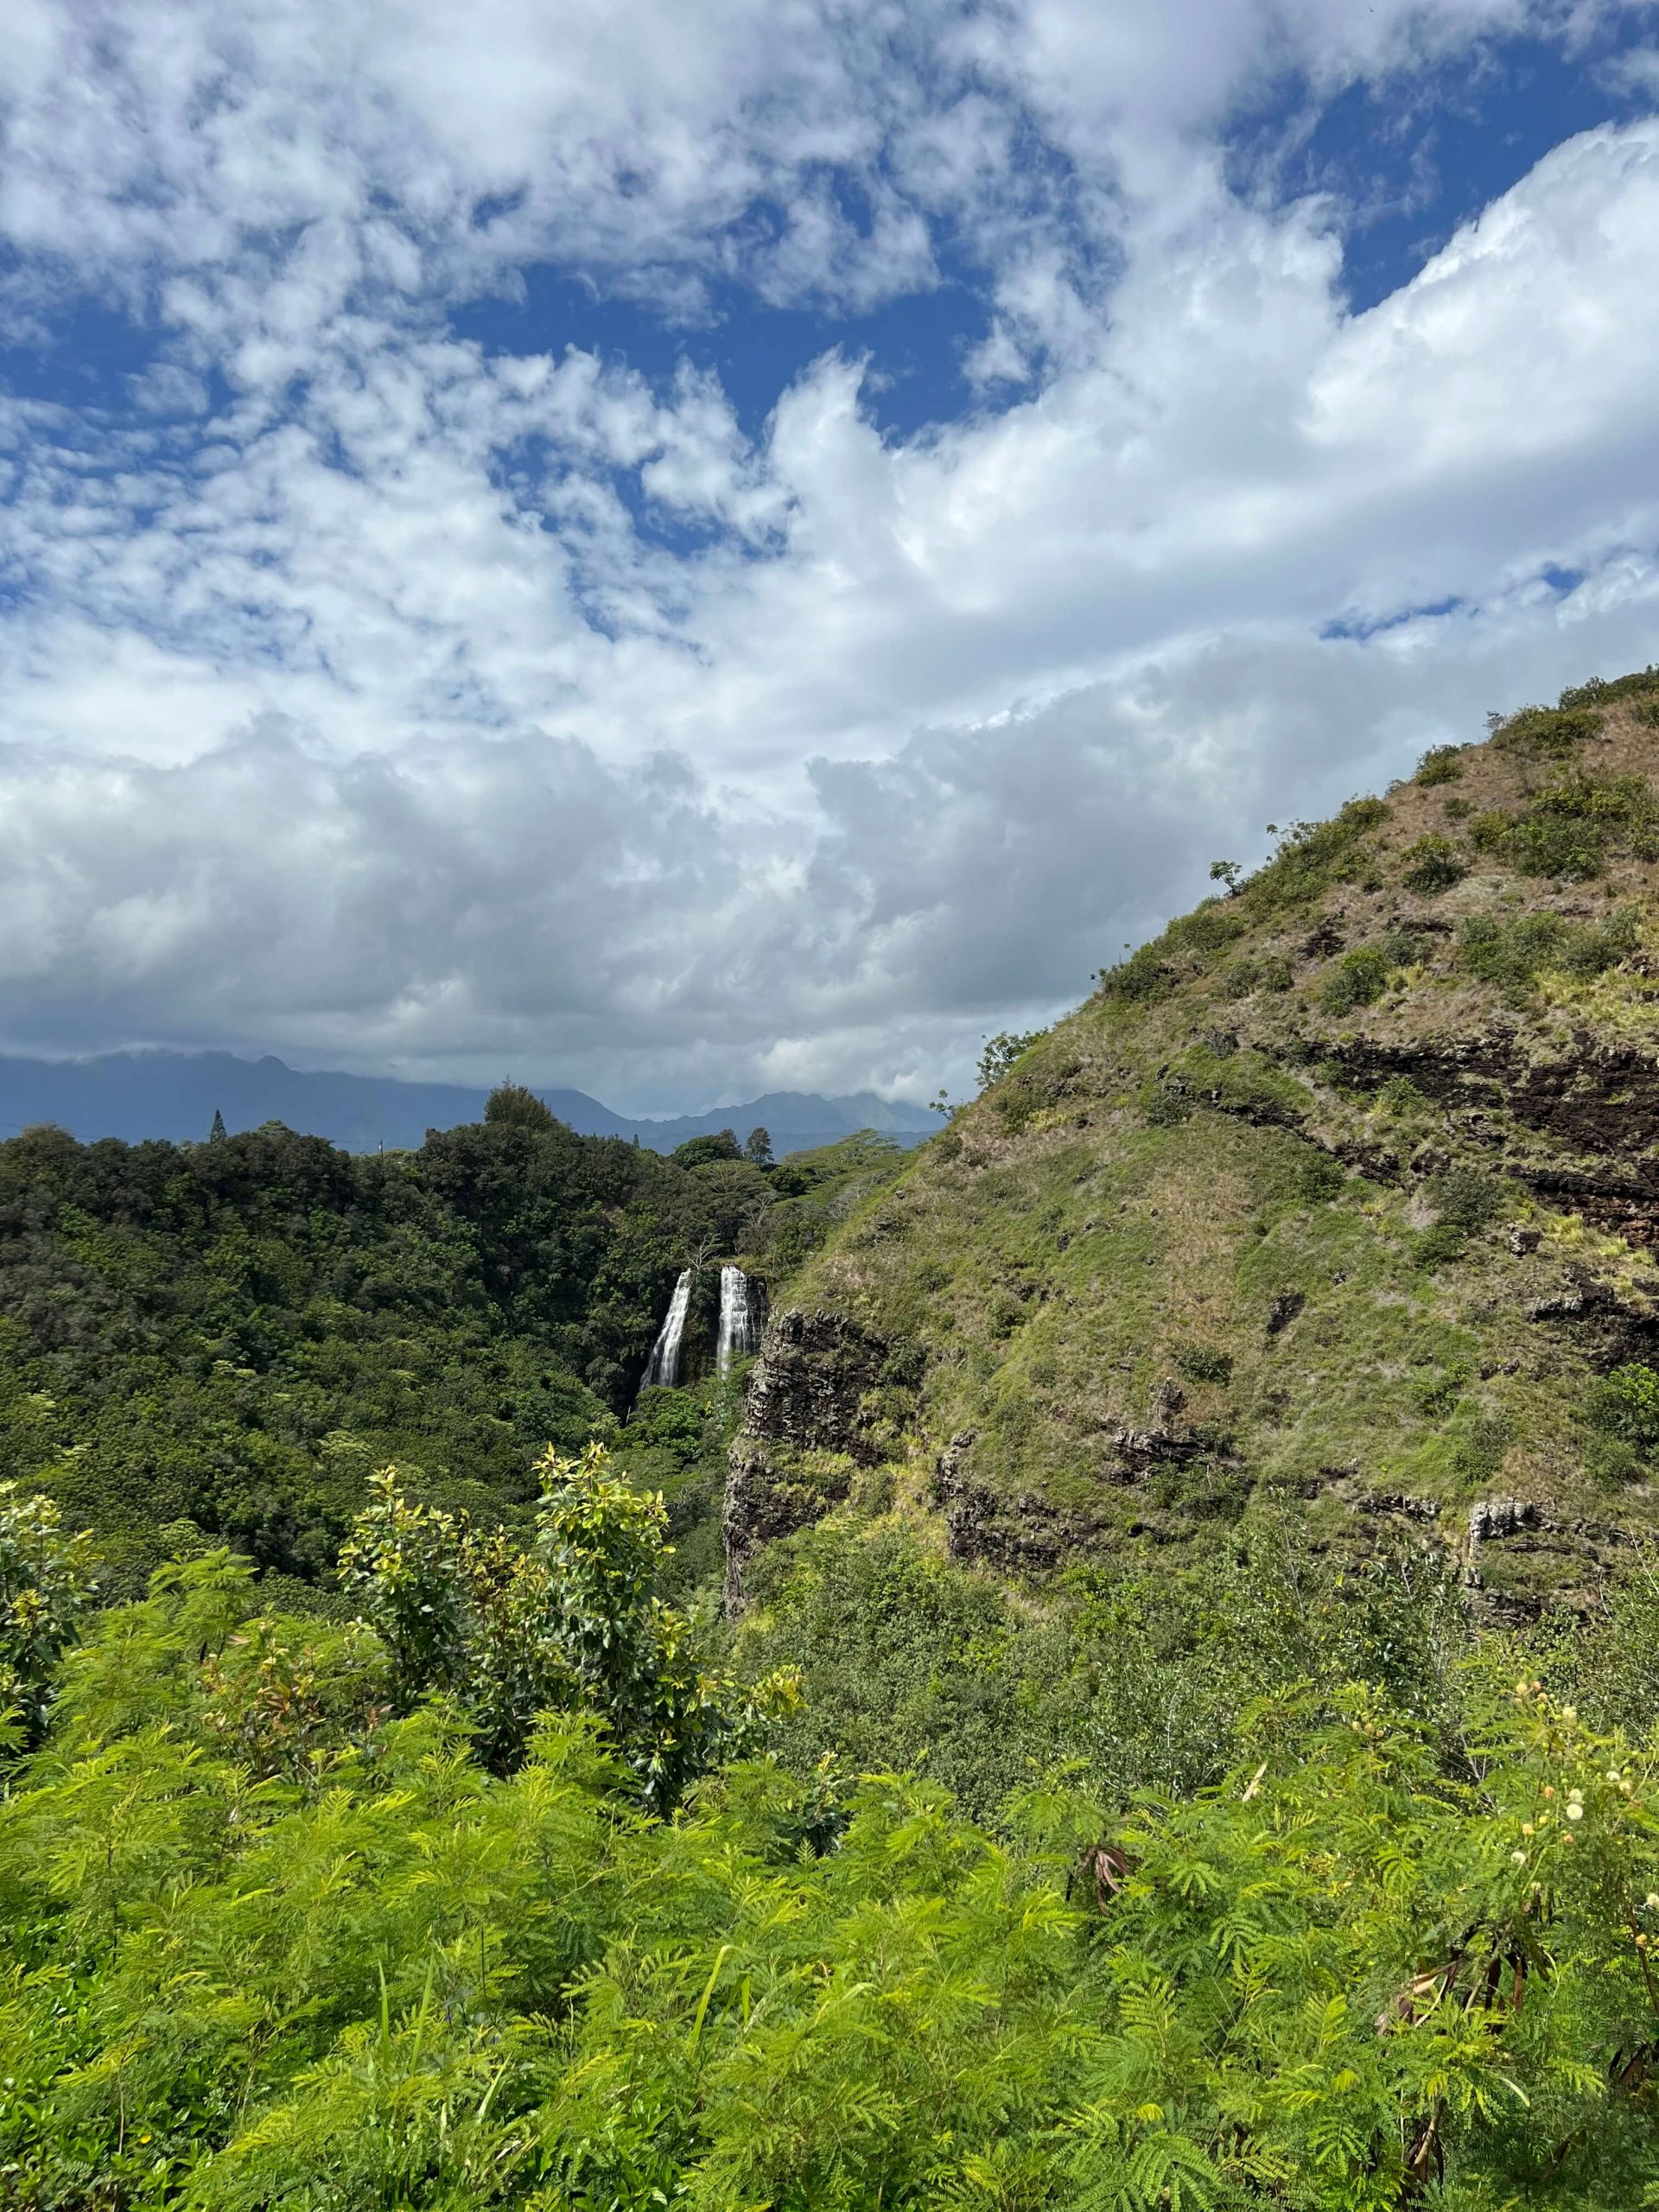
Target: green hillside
[{"x": 1339, "y": 1196}]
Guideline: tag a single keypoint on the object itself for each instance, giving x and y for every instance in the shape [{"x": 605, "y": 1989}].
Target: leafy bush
[
  {"x": 1441, "y": 764},
  {"x": 1203, "y": 1362},
  {"x": 1464, "y": 1201},
  {"x": 1571, "y": 828},
  {"x": 44, "y": 1586},
  {"x": 1626, "y": 1404},
  {"x": 1546, "y": 733},
  {"x": 1602, "y": 691},
  {"x": 575, "y": 1620},
  {"x": 1329, "y": 1915},
  {"x": 1141, "y": 979},
  {"x": 1432, "y": 864},
  {"x": 1514, "y": 951},
  {"x": 1002, "y": 1052},
  {"x": 1359, "y": 979},
  {"x": 1312, "y": 855}
]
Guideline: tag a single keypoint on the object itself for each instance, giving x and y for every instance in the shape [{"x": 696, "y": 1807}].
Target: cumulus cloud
[{"x": 381, "y": 697}]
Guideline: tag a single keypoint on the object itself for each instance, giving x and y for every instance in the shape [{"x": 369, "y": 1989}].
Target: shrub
[
  {"x": 573, "y": 1621},
  {"x": 1432, "y": 864},
  {"x": 1546, "y": 733},
  {"x": 1441, "y": 764},
  {"x": 1142, "y": 978},
  {"x": 1206, "y": 929},
  {"x": 1357, "y": 980},
  {"x": 1002, "y": 1052},
  {"x": 1312, "y": 856},
  {"x": 1626, "y": 1404},
  {"x": 1513, "y": 953},
  {"x": 1203, "y": 1362},
  {"x": 44, "y": 1586},
  {"x": 1602, "y": 692},
  {"x": 1571, "y": 828}
]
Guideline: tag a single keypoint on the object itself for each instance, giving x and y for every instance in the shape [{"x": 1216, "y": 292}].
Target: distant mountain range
[{"x": 176, "y": 1095}]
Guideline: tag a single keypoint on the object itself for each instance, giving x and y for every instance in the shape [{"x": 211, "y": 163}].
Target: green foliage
[
  {"x": 1602, "y": 691},
  {"x": 698, "y": 1152},
  {"x": 1432, "y": 864},
  {"x": 1549, "y": 732},
  {"x": 1324, "y": 1912},
  {"x": 1622, "y": 1410},
  {"x": 1466, "y": 1201},
  {"x": 1574, "y": 826},
  {"x": 1000, "y": 1053},
  {"x": 576, "y": 1620},
  {"x": 816, "y": 1192},
  {"x": 1359, "y": 979},
  {"x": 1514, "y": 950},
  {"x": 1203, "y": 1362},
  {"x": 1441, "y": 764},
  {"x": 514, "y": 1106},
  {"x": 1310, "y": 856},
  {"x": 1141, "y": 979},
  {"x": 1271, "y": 972},
  {"x": 45, "y": 1586},
  {"x": 757, "y": 1147},
  {"x": 237, "y": 1333}
]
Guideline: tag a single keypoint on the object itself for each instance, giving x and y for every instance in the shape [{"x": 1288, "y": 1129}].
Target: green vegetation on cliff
[{"x": 1341, "y": 1196}]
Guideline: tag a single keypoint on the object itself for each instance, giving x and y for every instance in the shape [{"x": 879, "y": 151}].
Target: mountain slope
[{"x": 1343, "y": 1192}]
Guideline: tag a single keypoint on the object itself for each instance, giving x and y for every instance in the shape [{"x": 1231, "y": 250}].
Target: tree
[
  {"x": 1227, "y": 872},
  {"x": 218, "y": 1128},
  {"x": 45, "y": 1585},
  {"x": 759, "y": 1147},
  {"x": 1000, "y": 1054},
  {"x": 575, "y": 1621},
  {"x": 697, "y": 1152},
  {"x": 520, "y": 1108}
]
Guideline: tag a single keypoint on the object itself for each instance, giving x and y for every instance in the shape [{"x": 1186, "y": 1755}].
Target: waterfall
[
  {"x": 742, "y": 1314},
  {"x": 663, "y": 1370}
]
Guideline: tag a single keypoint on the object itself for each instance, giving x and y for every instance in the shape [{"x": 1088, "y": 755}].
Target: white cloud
[{"x": 369, "y": 697}]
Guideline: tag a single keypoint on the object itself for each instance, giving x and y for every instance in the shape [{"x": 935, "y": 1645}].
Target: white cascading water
[
  {"x": 663, "y": 1370},
  {"x": 740, "y": 1316}
]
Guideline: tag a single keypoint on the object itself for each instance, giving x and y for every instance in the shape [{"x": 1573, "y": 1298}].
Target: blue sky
[{"x": 683, "y": 551}]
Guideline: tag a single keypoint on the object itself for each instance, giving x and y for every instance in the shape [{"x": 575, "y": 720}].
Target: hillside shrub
[
  {"x": 574, "y": 1620},
  {"x": 1604, "y": 691},
  {"x": 1546, "y": 733},
  {"x": 1432, "y": 864},
  {"x": 1357, "y": 979},
  {"x": 1466, "y": 1200},
  {"x": 1573, "y": 827},
  {"x": 1441, "y": 764},
  {"x": 46, "y": 1585},
  {"x": 1514, "y": 951},
  {"x": 1141, "y": 979},
  {"x": 1310, "y": 856}
]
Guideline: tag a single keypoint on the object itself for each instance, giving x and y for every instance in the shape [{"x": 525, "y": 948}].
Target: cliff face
[
  {"x": 804, "y": 1432},
  {"x": 1343, "y": 1194}
]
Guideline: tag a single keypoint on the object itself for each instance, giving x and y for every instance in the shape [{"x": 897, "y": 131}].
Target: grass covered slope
[{"x": 1343, "y": 1192}]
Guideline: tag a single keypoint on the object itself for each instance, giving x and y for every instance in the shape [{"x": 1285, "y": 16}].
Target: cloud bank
[{"x": 386, "y": 694}]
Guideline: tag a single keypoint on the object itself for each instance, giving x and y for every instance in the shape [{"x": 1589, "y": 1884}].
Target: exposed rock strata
[{"x": 804, "y": 1396}]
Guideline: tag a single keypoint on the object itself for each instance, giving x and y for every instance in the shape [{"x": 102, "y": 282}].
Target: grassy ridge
[{"x": 1343, "y": 1192}]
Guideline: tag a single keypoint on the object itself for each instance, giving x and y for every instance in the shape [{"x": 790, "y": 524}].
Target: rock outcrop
[{"x": 803, "y": 1431}]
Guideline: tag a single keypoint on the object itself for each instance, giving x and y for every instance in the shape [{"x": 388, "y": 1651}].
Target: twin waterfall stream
[{"x": 742, "y": 1318}]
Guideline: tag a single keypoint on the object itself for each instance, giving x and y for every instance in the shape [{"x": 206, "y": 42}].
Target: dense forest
[
  {"x": 1141, "y": 1694},
  {"x": 222, "y": 1341}
]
